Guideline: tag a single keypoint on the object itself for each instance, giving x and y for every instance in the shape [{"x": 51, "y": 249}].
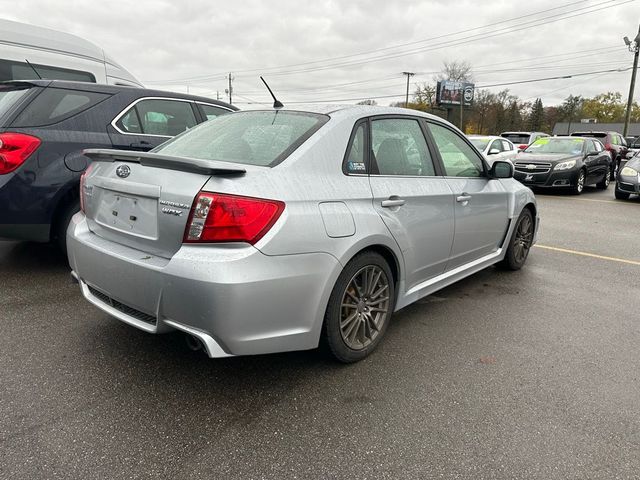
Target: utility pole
[
  {"x": 406, "y": 98},
  {"x": 230, "y": 89},
  {"x": 634, "y": 47},
  {"x": 461, "y": 105}
]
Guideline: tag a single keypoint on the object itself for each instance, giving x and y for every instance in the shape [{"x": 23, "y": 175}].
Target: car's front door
[
  {"x": 481, "y": 204},
  {"x": 413, "y": 199}
]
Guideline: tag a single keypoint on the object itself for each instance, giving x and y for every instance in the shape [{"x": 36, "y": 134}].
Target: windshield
[
  {"x": 263, "y": 138},
  {"x": 517, "y": 138},
  {"x": 571, "y": 146},
  {"x": 9, "y": 96},
  {"x": 480, "y": 143}
]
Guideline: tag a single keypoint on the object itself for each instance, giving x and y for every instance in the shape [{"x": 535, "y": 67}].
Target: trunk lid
[{"x": 143, "y": 200}]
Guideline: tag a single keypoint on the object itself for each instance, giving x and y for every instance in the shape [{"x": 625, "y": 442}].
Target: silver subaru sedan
[{"x": 274, "y": 230}]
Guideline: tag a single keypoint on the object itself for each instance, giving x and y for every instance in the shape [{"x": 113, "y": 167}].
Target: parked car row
[{"x": 566, "y": 162}]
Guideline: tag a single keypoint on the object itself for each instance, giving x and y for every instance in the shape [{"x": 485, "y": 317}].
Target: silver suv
[{"x": 274, "y": 230}]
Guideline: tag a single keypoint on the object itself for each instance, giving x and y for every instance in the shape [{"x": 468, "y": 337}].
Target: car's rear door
[
  {"x": 148, "y": 122},
  {"x": 410, "y": 194},
  {"x": 481, "y": 204}
]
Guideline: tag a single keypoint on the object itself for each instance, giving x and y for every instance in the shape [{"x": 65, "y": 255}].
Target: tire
[
  {"x": 578, "y": 188},
  {"x": 604, "y": 183},
  {"x": 62, "y": 223},
  {"x": 357, "y": 318},
  {"x": 620, "y": 195},
  {"x": 520, "y": 242}
]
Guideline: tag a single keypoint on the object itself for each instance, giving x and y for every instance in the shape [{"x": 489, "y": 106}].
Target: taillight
[
  {"x": 15, "y": 148},
  {"x": 523, "y": 146},
  {"x": 84, "y": 190},
  {"x": 607, "y": 146},
  {"x": 217, "y": 217}
]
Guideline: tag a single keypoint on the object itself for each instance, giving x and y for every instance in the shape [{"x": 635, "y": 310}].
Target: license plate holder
[{"x": 128, "y": 213}]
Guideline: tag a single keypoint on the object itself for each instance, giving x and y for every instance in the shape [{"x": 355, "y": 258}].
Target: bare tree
[{"x": 458, "y": 71}]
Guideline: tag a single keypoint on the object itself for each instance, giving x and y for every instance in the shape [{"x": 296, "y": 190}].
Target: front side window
[
  {"x": 496, "y": 145},
  {"x": 458, "y": 157},
  {"x": 598, "y": 146},
  {"x": 399, "y": 148},
  {"x": 264, "y": 137}
]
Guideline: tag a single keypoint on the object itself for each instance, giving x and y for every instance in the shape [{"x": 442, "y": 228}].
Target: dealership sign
[{"x": 453, "y": 93}]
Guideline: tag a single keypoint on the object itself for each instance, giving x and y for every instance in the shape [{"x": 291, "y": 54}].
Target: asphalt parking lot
[{"x": 532, "y": 374}]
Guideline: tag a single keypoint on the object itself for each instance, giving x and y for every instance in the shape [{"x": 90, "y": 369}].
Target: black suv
[
  {"x": 613, "y": 142},
  {"x": 44, "y": 127}
]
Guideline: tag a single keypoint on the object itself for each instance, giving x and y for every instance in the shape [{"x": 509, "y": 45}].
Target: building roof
[{"x": 562, "y": 128}]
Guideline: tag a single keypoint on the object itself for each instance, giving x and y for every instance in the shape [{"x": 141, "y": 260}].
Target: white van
[{"x": 55, "y": 55}]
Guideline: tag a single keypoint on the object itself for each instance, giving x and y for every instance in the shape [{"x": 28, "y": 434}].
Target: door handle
[
  {"x": 465, "y": 197},
  {"x": 393, "y": 201}
]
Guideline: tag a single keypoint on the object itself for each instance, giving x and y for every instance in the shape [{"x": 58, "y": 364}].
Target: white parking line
[{"x": 587, "y": 254}]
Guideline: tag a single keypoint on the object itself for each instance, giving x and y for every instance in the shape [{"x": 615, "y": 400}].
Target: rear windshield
[
  {"x": 10, "y": 96},
  {"x": 56, "y": 104},
  {"x": 589, "y": 134},
  {"x": 517, "y": 138},
  {"x": 263, "y": 138},
  {"x": 570, "y": 146}
]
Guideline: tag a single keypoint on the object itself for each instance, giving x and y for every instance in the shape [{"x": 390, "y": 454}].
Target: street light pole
[
  {"x": 406, "y": 99},
  {"x": 635, "y": 48}
]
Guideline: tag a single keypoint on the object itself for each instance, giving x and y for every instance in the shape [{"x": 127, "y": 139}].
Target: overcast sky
[{"x": 309, "y": 50}]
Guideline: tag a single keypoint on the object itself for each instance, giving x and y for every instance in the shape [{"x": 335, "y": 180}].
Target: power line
[
  {"x": 619, "y": 70},
  {"x": 457, "y": 42},
  {"x": 441, "y": 45}
]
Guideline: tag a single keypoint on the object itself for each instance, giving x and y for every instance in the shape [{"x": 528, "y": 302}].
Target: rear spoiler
[{"x": 185, "y": 164}]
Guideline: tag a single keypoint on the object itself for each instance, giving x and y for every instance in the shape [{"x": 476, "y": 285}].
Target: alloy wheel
[
  {"x": 523, "y": 239},
  {"x": 580, "y": 185},
  {"x": 364, "y": 307}
]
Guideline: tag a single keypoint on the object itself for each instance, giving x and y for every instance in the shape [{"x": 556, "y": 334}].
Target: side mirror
[
  {"x": 591, "y": 154},
  {"x": 493, "y": 151},
  {"x": 501, "y": 169}
]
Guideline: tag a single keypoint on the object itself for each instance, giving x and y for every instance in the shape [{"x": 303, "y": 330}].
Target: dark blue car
[{"x": 44, "y": 127}]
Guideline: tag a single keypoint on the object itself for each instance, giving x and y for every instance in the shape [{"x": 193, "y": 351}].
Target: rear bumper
[{"x": 237, "y": 300}]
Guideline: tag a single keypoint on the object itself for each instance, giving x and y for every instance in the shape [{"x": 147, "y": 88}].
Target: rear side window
[
  {"x": 165, "y": 118},
  {"x": 262, "y": 138},
  {"x": 54, "y": 105},
  {"x": 356, "y": 158},
  {"x": 399, "y": 148},
  {"x": 507, "y": 146},
  {"x": 12, "y": 70}
]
